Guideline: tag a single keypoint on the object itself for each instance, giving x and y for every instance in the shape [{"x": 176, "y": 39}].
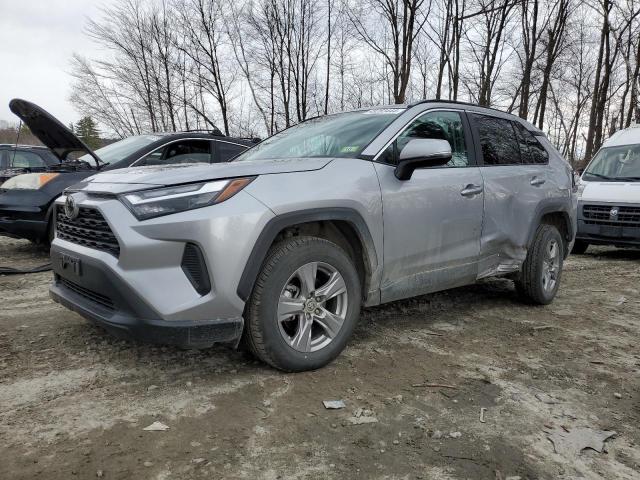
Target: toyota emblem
[
  {"x": 614, "y": 212},
  {"x": 71, "y": 208}
]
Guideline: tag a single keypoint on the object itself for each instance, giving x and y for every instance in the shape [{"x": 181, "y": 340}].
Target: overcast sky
[{"x": 37, "y": 39}]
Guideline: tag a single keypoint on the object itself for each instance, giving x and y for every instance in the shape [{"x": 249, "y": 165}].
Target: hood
[
  {"x": 49, "y": 130},
  {"x": 135, "y": 178},
  {"x": 611, "y": 192}
]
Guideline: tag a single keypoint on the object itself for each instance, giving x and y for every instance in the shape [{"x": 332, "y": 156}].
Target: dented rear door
[{"x": 514, "y": 188}]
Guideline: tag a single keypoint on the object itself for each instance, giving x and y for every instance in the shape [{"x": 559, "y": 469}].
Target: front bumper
[
  {"x": 607, "y": 231},
  {"x": 24, "y": 214},
  {"x": 19, "y": 228},
  {"x": 23, "y": 222},
  {"x": 121, "y": 315},
  {"x": 142, "y": 291}
]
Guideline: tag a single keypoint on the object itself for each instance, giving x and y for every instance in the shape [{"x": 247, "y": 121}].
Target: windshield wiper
[
  {"x": 599, "y": 175},
  {"x": 614, "y": 179}
]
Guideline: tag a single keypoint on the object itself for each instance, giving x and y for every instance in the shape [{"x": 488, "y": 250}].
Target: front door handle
[
  {"x": 471, "y": 190},
  {"x": 537, "y": 181}
]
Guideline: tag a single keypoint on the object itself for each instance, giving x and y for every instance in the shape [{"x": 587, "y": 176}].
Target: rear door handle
[
  {"x": 471, "y": 190},
  {"x": 536, "y": 181}
]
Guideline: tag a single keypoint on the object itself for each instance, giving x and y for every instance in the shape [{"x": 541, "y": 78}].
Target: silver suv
[{"x": 279, "y": 248}]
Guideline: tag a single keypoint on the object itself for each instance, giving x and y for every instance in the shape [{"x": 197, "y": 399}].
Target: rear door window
[
  {"x": 498, "y": 140},
  {"x": 182, "y": 151},
  {"x": 227, "y": 151}
]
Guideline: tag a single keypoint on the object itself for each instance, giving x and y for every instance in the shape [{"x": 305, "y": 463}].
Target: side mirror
[{"x": 422, "y": 153}]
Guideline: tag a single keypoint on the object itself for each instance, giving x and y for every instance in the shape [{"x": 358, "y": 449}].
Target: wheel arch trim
[
  {"x": 552, "y": 206},
  {"x": 280, "y": 222}
]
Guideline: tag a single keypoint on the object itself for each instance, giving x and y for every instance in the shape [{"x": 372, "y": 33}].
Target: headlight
[
  {"x": 29, "y": 181},
  {"x": 146, "y": 204}
]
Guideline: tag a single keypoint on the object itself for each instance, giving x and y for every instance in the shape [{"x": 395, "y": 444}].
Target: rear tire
[
  {"x": 539, "y": 279},
  {"x": 304, "y": 306},
  {"x": 579, "y": 247}
]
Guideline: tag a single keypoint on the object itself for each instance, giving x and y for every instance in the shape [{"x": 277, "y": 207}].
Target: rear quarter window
[
  {"x": 533, "y": 152},
  {"x": 227, "y": 151}
]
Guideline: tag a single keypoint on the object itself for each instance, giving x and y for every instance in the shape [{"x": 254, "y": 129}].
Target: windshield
[
  {"x": 340, "y": 135},
  {"x": 117, "y": 151},
  {"x": 616, "y": 164}
]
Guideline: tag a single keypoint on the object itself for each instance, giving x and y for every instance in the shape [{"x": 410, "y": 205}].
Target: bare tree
[
  {"x": 488, "y": 46},
  {"x": 257, "y": 66},
  {"x": 403, "y": 20},
  {"x": 612, "y": 32},
  {"x": 445, "y": 33},
  {"x": 237, "y": 31},
  {"x": 204, "y": 44},
  {"x": 529, "y": 19},
  {"x": 553, "y": 43}
]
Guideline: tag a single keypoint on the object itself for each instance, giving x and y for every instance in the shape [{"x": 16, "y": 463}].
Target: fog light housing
[{"x": 195, "y": 268}]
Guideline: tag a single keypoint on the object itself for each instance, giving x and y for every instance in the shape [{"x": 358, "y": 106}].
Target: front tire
[
  {"x": 304, "y": 306},
  {"x": 541, "y": 271}
]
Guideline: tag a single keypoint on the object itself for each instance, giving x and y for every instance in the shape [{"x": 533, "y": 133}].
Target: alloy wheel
[
  {"x": 550, "y": 265},
  {"x": 312, "y": 307}
]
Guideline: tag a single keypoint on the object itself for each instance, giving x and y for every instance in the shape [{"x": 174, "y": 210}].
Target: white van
[{"x": 609, "y": 194}]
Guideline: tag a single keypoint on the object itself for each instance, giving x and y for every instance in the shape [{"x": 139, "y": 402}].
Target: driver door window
[{"x": 437, "y": 125}]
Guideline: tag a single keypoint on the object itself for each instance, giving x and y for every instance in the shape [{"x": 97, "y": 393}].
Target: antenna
[{"x": 15, "y": 147}]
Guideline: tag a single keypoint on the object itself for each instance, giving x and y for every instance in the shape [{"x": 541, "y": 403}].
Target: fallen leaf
[
  {"x": 573, "y": 442},
  {"x": 156, "y": 427}
]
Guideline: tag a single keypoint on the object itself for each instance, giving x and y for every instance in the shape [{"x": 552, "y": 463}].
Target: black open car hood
[{"x": 49, "y": 130}]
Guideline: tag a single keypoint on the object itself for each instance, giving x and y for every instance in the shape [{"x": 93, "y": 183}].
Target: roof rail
[
  {"x": 456, "y": 102},
  {"x": 22, "y": 145},
  {"x": 213, "y": 131}
]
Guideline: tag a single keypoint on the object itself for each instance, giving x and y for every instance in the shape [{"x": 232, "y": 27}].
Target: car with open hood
[
  {"x": 609, "y": 194},
  {"x": 26, "y": 201},
  {"x": 278, "y": 249}
]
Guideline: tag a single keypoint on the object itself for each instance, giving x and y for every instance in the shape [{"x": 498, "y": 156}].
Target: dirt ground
[{"x": 74, "y": 401}]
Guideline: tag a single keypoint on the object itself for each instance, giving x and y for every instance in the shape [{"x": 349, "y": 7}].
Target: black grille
[
  {"x": 88, "y": 229},
  {"x": 95, "y": 297},
  {"x": 601, "y": 215},
  {"x": 195, "y": 269}
]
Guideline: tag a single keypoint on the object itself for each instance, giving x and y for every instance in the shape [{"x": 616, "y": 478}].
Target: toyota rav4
[{"x": 278, "y": 249}]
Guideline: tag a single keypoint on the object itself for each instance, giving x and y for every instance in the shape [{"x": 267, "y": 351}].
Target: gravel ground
[{"x": 74, "y": 401}]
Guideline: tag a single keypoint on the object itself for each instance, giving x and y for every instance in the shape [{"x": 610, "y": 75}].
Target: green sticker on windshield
[{"x": 349, "y": 149}]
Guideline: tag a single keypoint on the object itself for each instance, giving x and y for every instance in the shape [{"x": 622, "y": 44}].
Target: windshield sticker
[
  {"x": 384, "y": 111},
  {"x": 349, "y": 149}
]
